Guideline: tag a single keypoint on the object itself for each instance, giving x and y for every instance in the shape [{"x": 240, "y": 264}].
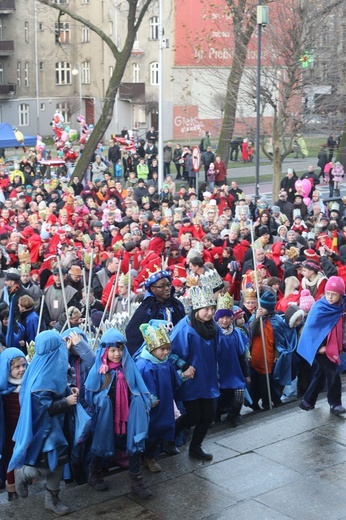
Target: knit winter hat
[
  {"x": 306, "y": 300},
  {"x": 220, "y": 313},
  {"x": 237, "y": 313},
  {"x": 335, "y": 284},
  {"x": 268, "y": 301},
  {"x": 310, "y": 254},
  {"x": 312, "y": 265},
  {"x": 292, "y": 314}
]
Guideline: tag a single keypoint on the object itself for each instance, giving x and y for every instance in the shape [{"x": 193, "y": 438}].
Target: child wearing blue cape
[
  {"x": 41, "y": 446},
  {"x": 162, "y": 381},
  {"x": 120, "y": 401},
  {"x": 322, "y": 341},
  {"x": 233, "y": 366},
  {"x": 12, "y": 368}
]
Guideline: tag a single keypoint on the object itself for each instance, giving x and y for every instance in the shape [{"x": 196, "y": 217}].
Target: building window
[
  {"x": 136, "y": 44},
  {"x": 62, "y": 32},
  {"x": 41, "y": 65},
  {"x": 23, "y": 115},
  {"x": 1, "y": 73},
  {"x": 19, "y": 74},
  {"x": 61, "y": 1},
  {"x": 1, "y": 25},
  {"x": 26, "y": 32},
  {"x": 64, "y": 109},
  {"x": 43, "y": 106},
  {"x": 40, "y": 26},
  {"x": 135, "y": 73},
  {"x": 111, "y": 70},
  {"x": 86, "y": 73},
  {"x": 154, "y": 28},
  {"x": 154, "y": 73},
  {"x": 63, "y": 73},
  {"x": 86, "y": 1},
  {"x": 85, "y": 34},
  {"x": 26, "y": 74},
  {"x": 110, "y": 28}
]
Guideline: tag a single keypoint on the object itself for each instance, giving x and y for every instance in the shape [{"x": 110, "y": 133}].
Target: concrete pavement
[{"x": 278, "y": 465}]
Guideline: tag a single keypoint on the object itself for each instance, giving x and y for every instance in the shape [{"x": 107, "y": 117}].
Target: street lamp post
[
  {"x": 160, "y": 140},
  {"x": 77, "y": 71},
  {"x": 262, "y": 20}
]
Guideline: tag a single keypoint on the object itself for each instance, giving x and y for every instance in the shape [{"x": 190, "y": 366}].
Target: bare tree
[
  {"x": 136, "y": 10},
  {"x": 284, "y": 81}
]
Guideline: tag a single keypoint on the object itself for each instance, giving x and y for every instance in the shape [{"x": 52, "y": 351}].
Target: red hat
[
  {"x": 310, "y": 254},
  {"x": 177, "y": 283},
  {"x": 335, "y": 284}
]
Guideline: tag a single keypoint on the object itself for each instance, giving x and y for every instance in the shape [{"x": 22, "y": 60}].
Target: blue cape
[
  {"x": 321, "y": 319},
  {"x": 44, "y": 381},
  {"x": 96, "y": 396}
]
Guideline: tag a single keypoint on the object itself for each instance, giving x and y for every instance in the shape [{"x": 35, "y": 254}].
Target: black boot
[
  {"x": 170, "y": 448},
  {"x": 95, "y": 478},
  {"x": 138, "y": 486},
  {"x": 197, "y": 452}
]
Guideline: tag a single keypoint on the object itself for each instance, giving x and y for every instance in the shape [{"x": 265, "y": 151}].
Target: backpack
[{"x": 201, "y": 145}]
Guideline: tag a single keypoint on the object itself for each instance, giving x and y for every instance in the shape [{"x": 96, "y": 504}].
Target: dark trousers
[
  {"x": 166, "y": 169},
  {"x": 326, "y": 373},
  {"x": 178, "y": 168},
  {"x": 259, "y": 390},
  {"x": 230, "y": 402},
  {"x": 199, "y": 413}
]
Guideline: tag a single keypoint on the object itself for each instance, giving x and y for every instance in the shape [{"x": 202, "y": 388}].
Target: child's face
[
  {"x": 332, "y": 297},
  {"x": 225, "y": 322},
  {"x": 114, "y": 354},
  {"x": 161, "y": 353},
  {"x": 205, "y": 314},
  {"x": 250, "y": 304},
  {"x": 239, "y": 322},
  {"x": 18, "y": 367}
]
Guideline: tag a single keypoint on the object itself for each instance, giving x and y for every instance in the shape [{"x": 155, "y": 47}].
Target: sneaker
[
  {"x": 337, "y": 410},
  {"x": 152, "y": 465},
  {"x": 304, "y": 405}
]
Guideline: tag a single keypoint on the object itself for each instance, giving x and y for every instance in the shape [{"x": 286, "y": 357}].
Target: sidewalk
[{"x": 278, "y": 465}]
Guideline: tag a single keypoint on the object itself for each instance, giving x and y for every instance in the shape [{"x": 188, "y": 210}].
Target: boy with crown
[
  {"x": 194, "y": 346},
  {"x": 162, "y": 381},
  {"x": 234, "y": 370}
]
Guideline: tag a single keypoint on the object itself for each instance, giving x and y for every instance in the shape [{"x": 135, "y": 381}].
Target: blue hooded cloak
[{"x": 97, "y": 397}]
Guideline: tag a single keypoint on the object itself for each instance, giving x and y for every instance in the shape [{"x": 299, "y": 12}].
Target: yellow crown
[
  {"x": 154, "y": 337},
  {"x": 249, "y": 294},
  {"x": 124, "y": 279},
  {"x": 202, "y": 297},
  {"x": 225, "y": 302},
  {"x": 25, "y": 268},
  {"x": 191, "y": 280}
]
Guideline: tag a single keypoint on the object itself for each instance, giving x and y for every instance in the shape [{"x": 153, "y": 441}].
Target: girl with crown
[
  {"x": 162, "y": 381},
  {"x": 120, "y": 401},
  {"x": 194, "y": 346}
]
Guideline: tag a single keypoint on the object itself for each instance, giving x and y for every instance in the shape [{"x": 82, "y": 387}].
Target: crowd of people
[{"x": 142, "y": 313}]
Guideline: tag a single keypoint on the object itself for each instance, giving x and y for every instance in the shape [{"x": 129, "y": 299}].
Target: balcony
[
  {"x": 7, "y": 6},
  {"x": 6, "y": 47},
  {"x": 132, "y": 92},
  {"x": 7, "y": 91}
]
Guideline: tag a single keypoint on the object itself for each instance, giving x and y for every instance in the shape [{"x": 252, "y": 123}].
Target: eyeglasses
[{"x": 162, "y": 286}]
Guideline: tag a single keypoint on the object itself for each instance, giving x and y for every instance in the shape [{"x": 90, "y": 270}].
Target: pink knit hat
[
  {"x": 335, "y": 284},
  {"x": 306, "y": 300}
]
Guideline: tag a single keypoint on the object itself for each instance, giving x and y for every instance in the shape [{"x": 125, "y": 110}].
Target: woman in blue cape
[
  {"x": 121, "y": 403},
  {"x": 322, "y": 341},
  {"x": 41, "y": 447}
]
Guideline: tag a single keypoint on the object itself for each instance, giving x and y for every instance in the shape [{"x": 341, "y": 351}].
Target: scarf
[
  {"x": 121, "y": 409},
  {"x": 334, "y": 343},
  {"x": 17, "y": 383},
  {"x": 206, "y": 329}
]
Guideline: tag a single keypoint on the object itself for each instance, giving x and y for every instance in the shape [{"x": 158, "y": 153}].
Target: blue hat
[
  {"x": 155, "y": 277},
  {"x": 268, "y": 301}
]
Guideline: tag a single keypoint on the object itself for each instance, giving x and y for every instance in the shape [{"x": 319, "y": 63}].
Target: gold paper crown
[
  {"x": 118, "y": 246},
  {"x": 249, "y": 294},
  {"x": 211, "y": 278},
  {"x": 202, "y": 297},
  {"x": 225, "y": 301},
  {"x": 124, "y": 279},
  {"x": 154, "y": 337},
  {"x": 24, "y": 257},
  {"x": 235, "y": 227},
  {"x": 258, "y": 276},
  {"x": 25, "y": 268},
  {"x": 191, "y": 280}
]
